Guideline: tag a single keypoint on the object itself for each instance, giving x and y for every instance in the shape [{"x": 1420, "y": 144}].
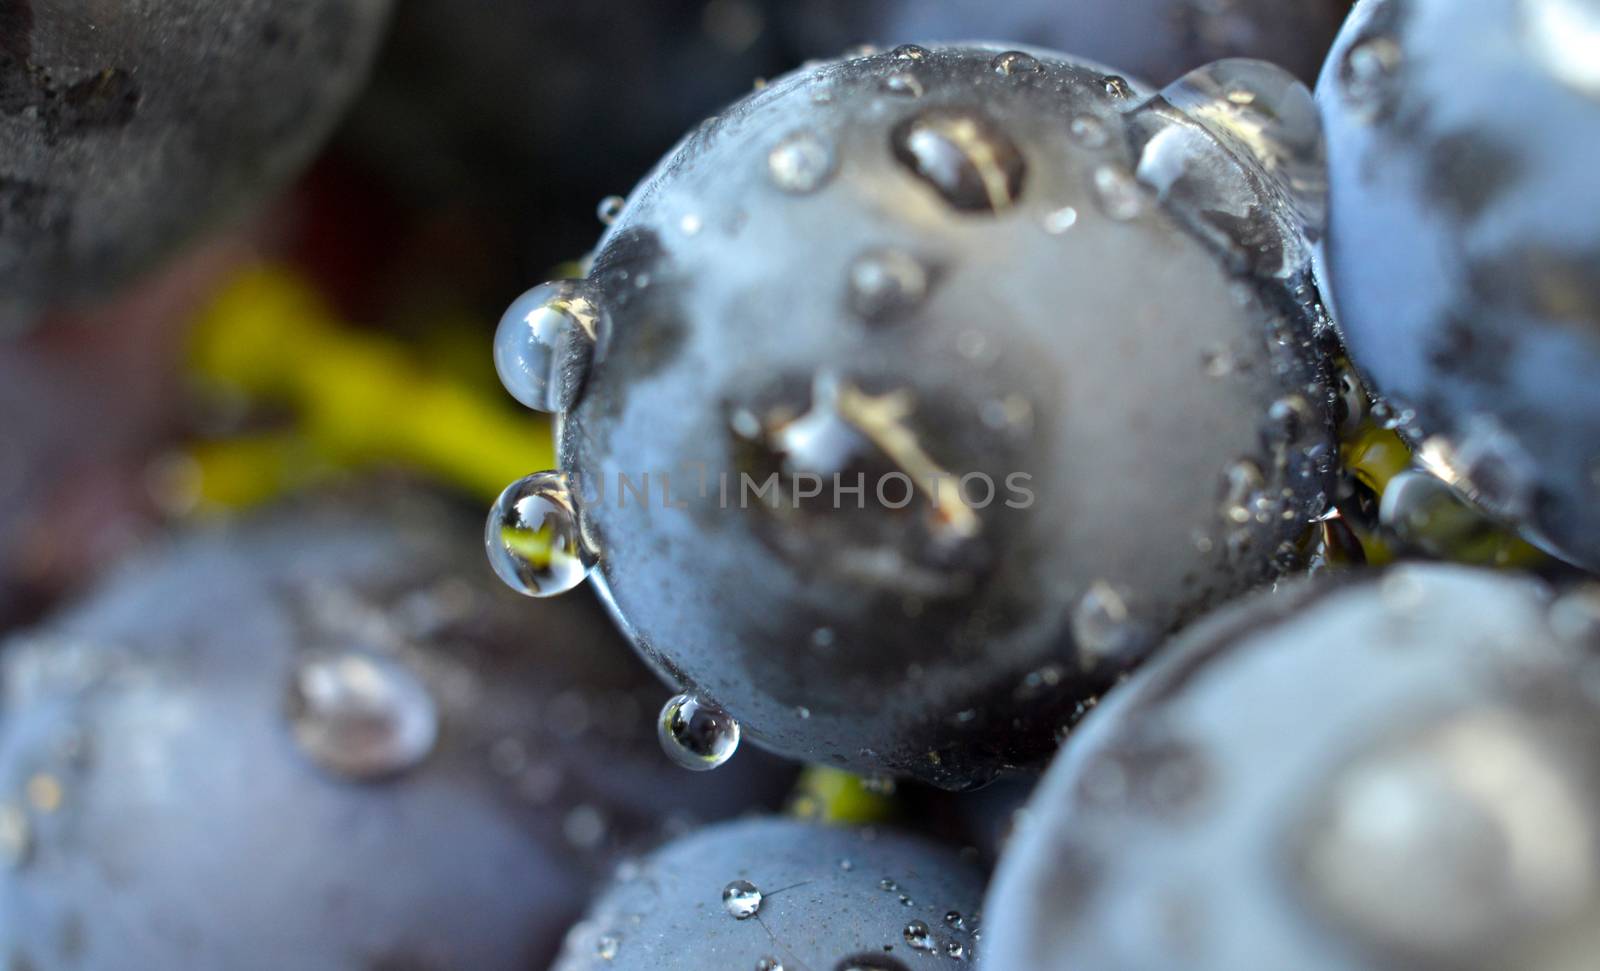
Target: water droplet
[
  {"x": 902, "y": 86},
  {"x": 697, "y": 734},
  {"x": 955, "y": 950},
  {"x": 1564, "y": 35},
  {"x": 1266, "y": 117},
  {"x": 742, "y": 899},
  {"x": 769, "y": 964},
  {"x": 955, "y": 921},
  {"x": 1016, "y": 62},
  {"x": 607, "y": 946},
  {"x": 919, "y": 936},
  {"x": 1368, "y": 72},
  {"x": 1061, "y": 220},
  {"x": 1102, "y": 625},
  {"x": 886, "y": 283},
  {"x": 888, "y": 884},
  {"x": 909, "y": 52},
  {"x": 691, "y": 224},
  {"x": 1117, "y": 193},
  {"x": 1117, "y": 86},
  {"x": 1243, "y": 491},
  {"x": 846, "y": 865},
  {"x": 967, "y": 159},
  {"x": 16, "y": 836},
  {"x": 610, "y": 209},
  {"x": 801, "y": 163},
  {"x": 1089, "y": 131},
  {"x": 533, "y": 540},
  {"x": 361, "y": 716},
  {"x": 546, "y": 343}
]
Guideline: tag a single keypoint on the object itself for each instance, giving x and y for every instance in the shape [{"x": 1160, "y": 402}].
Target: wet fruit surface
[
  {"x": 126, "y": 128},
  {"x": 330, "y": 715},
  {"x": 1391, "y": 771},
  {"x": 771, "y": 894},
  {"x": 1081, "y": 396},
  {"x": 1462, "y": 246}
]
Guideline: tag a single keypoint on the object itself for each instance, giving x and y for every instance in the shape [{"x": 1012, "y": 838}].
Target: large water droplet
[
  {"x": 965, "y": 157},
  {"x": 1016, "y": 62},
  {"x": 361, "y": 716},
  {"x": 801, "y": 163},
  {"x": 919, "y": 936},
  {"x": 546, "y": 344},
  {"x": 886, "y": 283},
  {"x": 697, "y": 734},
  {"x": 741, "y": 899},
  {"x": 1266, "y": 116},
  {"x": 533, "y": 539}
]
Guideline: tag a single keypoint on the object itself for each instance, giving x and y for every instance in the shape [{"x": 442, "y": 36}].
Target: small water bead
[
  {"x": 533, "y": 540},
  {"x": 886, "y": 283},
  {"x": 962, "y": 155},
  {"x": 801, "y": 163},
  {"x": 1089, "y": 131},
  {"x": 1016, "y": 62},
  {"x": 909, "y": 52},
  {"x": 1102, "y": 625},
  {"x": 888, "y": 884},
  {"x": 741, "y": 899},
  {"x": 610, "y": 209},
  {"x": 546, "y": 343},
  {"x": 919, "y": 937},
  {"x": 607, "y": 946},
  {"x": 696, "y": 734},
  {"x": 1117, "y": 86},
  {"x": 1117, "y": 193},
  {"x": 955, "y": 921},
  {"x": 361, "y": 716},
  {"x": 902, "y": 86},
  {"x": 769, "y": 964},
  {"x": 955, "y": 950}
]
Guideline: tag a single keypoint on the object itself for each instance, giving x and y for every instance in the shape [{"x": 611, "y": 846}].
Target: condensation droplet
[
  {"x": 696, "y": 734},
  {"x": 902, "y": 86},
  {"x": 533, "y": 540},
  {"x": 801, "y": 163},
  {"x": 918, "y": 936},
  {"x": 546, "y": 343},
  {"x": 1117, "y": 193},
  {"x": 361, "y": 716},
  {"x": 909, "y": 52},
  {"x": 966, "y": 158},
  {"x": 741, "y": 899},
  {"x": 886, "y": 283},
  {"x": 769, "y": 964},
  {"x": 610, "y": 209},
  {"x": 1117, "y": 86},
  {"x": 606, "y": 947},
  {"x": 1243, "y": 491},
  {"x": 1015, "y": 62}
]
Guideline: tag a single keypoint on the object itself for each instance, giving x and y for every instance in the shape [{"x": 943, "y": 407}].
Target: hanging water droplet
[
  {"x": 1117, "y": 193},
  {"x": 967, "y": 159},
  {"x": 607, "y": 946},
  {"x": 801, "y": 163},
  {"x": 741, "y": 899},
  {"x": 533, "y": 539},
  {"x": 902, "y": 86},
  {"x": 909, "y": 52},
  {"x": 697, "y": 734},
  {"x": 918, "y": 936},
  {"x": 1016, "y": 62},
  {"x": 886, "y": 283},
  {"x": 610, "y": 209},
  {"x": 1266, "y": 117},
  {"x": 361, "y": 716},
  {"x": 546, "y": 343}
]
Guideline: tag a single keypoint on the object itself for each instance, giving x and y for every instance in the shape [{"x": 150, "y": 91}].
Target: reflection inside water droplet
[
  {"x": 361, "y": 716},
  {"x": 546, "y": 343},
  {"x": 696, "y": 734},
  {"x": 533, "y": 540},
  {"x": 967, "y": 159}
]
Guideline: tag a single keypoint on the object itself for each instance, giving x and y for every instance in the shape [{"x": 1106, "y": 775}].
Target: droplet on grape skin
[
  {"x": 361, "y": 716},
  {"x": 741, "y": 899},
  {"x": 886, "y": 283},
  {"x": 696, "y": 734},
  {"x": 533, "y": 540},
  {"x": 801, "y": 163},
  {"x": 968, "y": 160},
  {"x": 546, "y": 343}
]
